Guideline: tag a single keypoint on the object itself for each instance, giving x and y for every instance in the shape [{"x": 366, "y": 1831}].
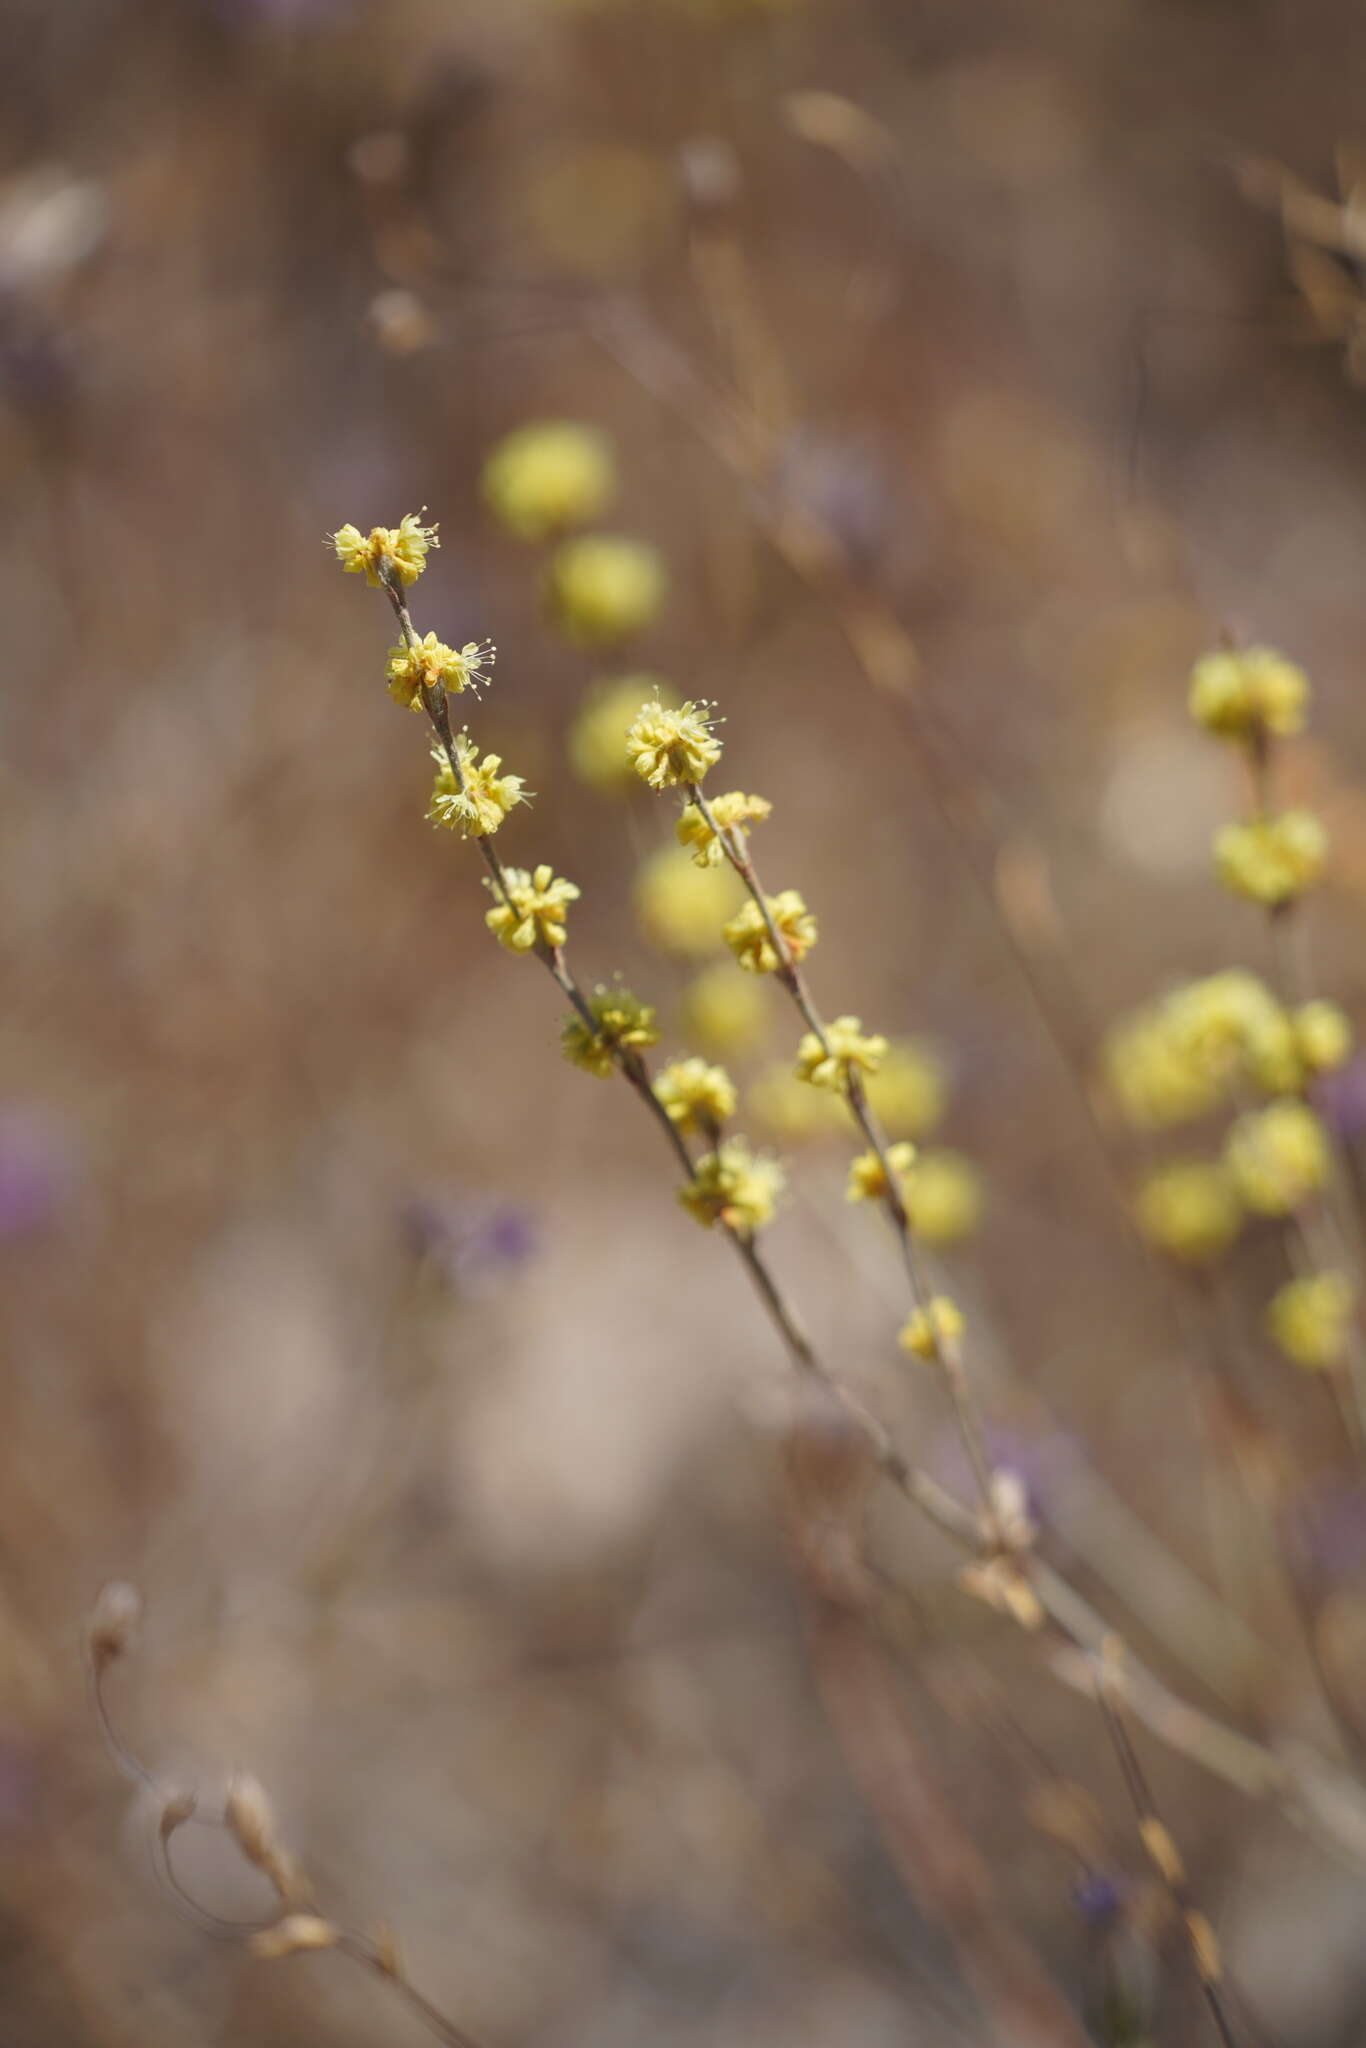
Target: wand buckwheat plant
[{"x": 730, "y": 1187}]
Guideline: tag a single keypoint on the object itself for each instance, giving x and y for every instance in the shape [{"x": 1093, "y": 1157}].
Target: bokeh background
[{"x": 341, "y": 1315}]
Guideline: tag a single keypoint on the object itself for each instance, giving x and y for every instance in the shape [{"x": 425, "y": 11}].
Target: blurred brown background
[{"x": 338, "y": 1313}]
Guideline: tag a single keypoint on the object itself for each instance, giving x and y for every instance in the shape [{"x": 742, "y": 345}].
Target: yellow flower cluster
[
  {"x": 724, "y": 1011},
  {"x": 621, "y": 1023},
  {"x": 680, "y": 909},
  {"x": 1271, "y": 860},
  {"x": 695, "y": 1095},
  {"x": 605, "y": 714},
  {"x": 868, "y": 1183},
  {"x": 601, "y": 588},
  {"x": 785, "y": 1106},
  {"x": 1179, "y": 1058},
  {"x": 533, "y": 909},
  {"x": 1238, "y": 694},
  {"x": 1310, "y": 1320},
  {"x": 943, "y": 1197},
  {"x": 667, "y": 746},
  {"x": 1278, "y": 1157},
  {"x": 832, "y": 1061},
  {"x": 485, "y": 799},
  {"x": 396, "y": 553},
  {"x": 1189, "y": 1209},
  {"x": 549, "y": 475},
  {"x": 735, "y": 1186},
  {"x": 733, "y": 812},
  {"x": 909, "y": 1092},
  {"x": 747, "y": 932},
  {"x": 932, "y": 1332},
  {"x": 433, "y": 665}
]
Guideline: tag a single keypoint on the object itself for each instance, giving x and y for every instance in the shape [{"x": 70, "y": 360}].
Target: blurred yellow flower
[
  {"x": 602, "y": 588},
  {"x": 1189, "y": 1209},
  {"x": 1235, "y": 694},
  {"x": 786, "y": 1107},
  {"x": 681, "y": 909},
  {"x": 1271, "y": 860},
  {"x": 547, "y": 476},
  {"x": 909, "y": 1091},
  {"x": 1310, "y": 1320},
  {"x": 868, "y": 1183},
  {"x": 943, "y": 1197},
  {"x": 845, "y": 1051},
  {"x": 733, "y": 812},
  {"x": 1323, "y": 1036},
  {"x": 1278, "y": 1157},
  {"x": 695, "y": 1095},
  {"x": 597, "y": 737},
  {"x": 726, "y": 1012},
  {"x": 933, "y": 1332}
]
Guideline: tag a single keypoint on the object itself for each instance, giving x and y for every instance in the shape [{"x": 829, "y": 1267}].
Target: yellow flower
[
  {"x": 667, "y": 746},
  {"x": 734, "y": 812},
  {"x": 789, "y": 1109},
  {"x": 1189, "y": 1209},
  {"x": 909, "y": 1091},
  {"x": 934, "y": 1331},
  {"x": 398, "y": 552},
  {"x": 943, "y": 1197},
  {"x": 436, "y": 666},
  {"x": 725, "y": 1011},
  {"x": 695, "y": 1095},
  {"x": 602, "y": 588},
  {"x": 621, "y": 1022},
  {"x": 597, "y": 735},
  {"x": 747, "y": 933},
  {"x": 1310, "y": 1320},
  {"x": 1237, "y": 694},
  {"x": 868, "y": 1183},
  {"x": 533, "y": 911},
  {"x": 680, "y": 909},
  {"x": 1176, "y": 1059},
  {"x": 1323, "y": 1036},
  {"x": 1271, "y": 860},
  {"x": 486, "y": 798},
  {"x": 549, "y": 475},
  {"x": 846, "y": 1051},
  {"x": 734, "y": 1186},
  {"x": 1278, "y": 1157}
]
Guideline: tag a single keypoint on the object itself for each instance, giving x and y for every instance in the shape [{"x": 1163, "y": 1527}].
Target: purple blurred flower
[
  {"x": 1340, "y": 1099},
  {"x": 35, "y": 1171},
  {"x": 477, "y": 1244},
  {"x": 1330, "y": 1526},
  {"x": 1042, "y": 1460},
  {"x": 1098, "y": 1897}
]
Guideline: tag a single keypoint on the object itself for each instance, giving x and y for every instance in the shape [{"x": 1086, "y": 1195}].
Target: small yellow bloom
[
  {"x": 846, "y": 1051},
  {"x": 533, "y": 911},
  {"x": 734, "y": 812},
  {"x": 725, "y": 1011},
  {"x": 1278, "y": 1157},
  {"x": 397, "y": 552},
  {"x": 1237, "y": 694},
  {"x": 486, "y": 798},
  {"x": 1310, "y": 1320},
  {"x": 747, "y": 933},
  {"x": 943, "y": 1197},
  {"x": 667, "y": 746},
  {"x": 1271, "y": 860},
  {"x": 734, "y": 1186},
  {"x": 932, "y": 1332},
  {"x": 1323, "y": 1036},
  {"x": 621, "y": 1023},
  {"x": 695, "y": 1095},
  {"x": 601, "y": 588},
  {"x": 1189, "y": 1209},
  {"x": 680, "y": 909},
  {"x": 1177, "y": 1059},
  {"x": 868, "y": 1183},
  {"x": 547, "y": 476},
  {"x": 437, "y": 667},
  {"x": 598, "y": 732}
]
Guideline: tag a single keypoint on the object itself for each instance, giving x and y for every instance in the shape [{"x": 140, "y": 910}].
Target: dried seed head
[
  {"x": 113, "y": 1622},
  {"x": 1162, "y": 1850},
  {"x": 295, "y": 1934},
  {"x": 178, "y": 1809},
  {"x": 250, "y": 1819},
  {"x": 1205, "y": 1947}
]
